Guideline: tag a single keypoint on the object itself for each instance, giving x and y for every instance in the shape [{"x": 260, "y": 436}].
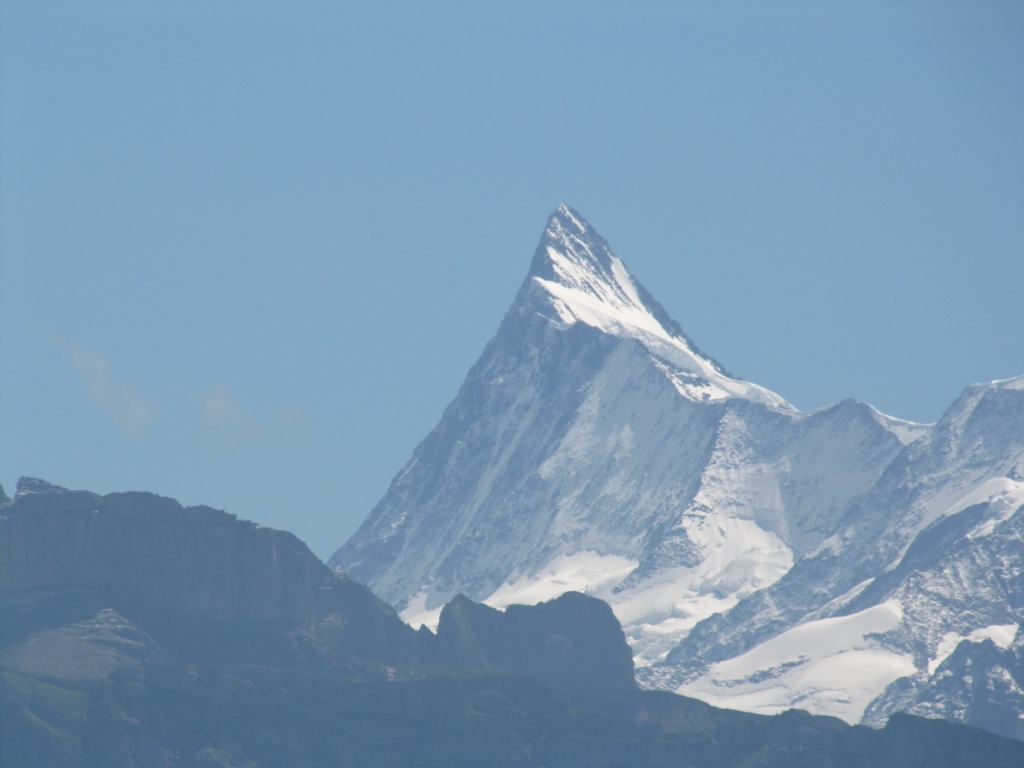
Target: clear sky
[{"x": 249, "y": 250}]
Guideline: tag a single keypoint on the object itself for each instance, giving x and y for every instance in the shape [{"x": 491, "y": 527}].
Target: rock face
[
  {"x": 182, "y": 666},
  {"x": 572, "y": 640},
  {"x": 756, "y": 556},
  {"x": 980, "y": 683},
  {"x": 102, "y": 583},
  {"x": 246, "y": 591}
]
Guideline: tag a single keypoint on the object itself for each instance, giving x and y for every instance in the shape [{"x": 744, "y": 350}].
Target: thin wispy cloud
[
  {"x": 230, "y": 425},
  {"x": 216, "y": 416},
  {"x": 118, "y": 398},
  {"x": 226, "y": 416}
]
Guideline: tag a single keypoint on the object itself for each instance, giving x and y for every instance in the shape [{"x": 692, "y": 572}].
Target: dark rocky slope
[
  {"x": 206, "y": 586},
  {"x": 80, "y": 572},
  {"x": 135, "y": 632}
]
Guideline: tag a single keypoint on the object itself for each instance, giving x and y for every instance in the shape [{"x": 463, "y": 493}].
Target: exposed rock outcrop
[
  {"x": 206, "y": 586},
  {"x": 572, "y": 640}
]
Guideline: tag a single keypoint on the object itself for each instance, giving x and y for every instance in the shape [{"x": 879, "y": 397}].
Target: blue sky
[{"x": 249, "y": 250}]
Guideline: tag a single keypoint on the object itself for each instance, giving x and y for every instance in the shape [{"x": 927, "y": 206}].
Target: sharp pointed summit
[
  {"x": 756, "y": 556},
  {"x": 593, "y": 437},
  {"x": 576, "y": 273},
  {"x": 569, "y": 239},
  {"x": 575, "y": 278}
]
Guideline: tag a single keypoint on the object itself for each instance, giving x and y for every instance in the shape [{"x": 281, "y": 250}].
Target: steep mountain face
[
  {"x": 929, "y": 558},
  {"x": 593, "y": 446},
  {"x": 757, "y": 557},
  {"x": 128, "y": 638},
  {"x": 126, "y": 576},
  {"x": 91, "y": 585},
  {"x": 980, "y": 683}
]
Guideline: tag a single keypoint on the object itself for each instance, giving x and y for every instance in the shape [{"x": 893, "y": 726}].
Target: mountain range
[
  {"x": 841, "y": 561},
  {"x": 137, "y": 632}
]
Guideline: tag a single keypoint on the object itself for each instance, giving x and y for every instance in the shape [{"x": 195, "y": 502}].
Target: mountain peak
[
  {"x": 567, "y": 216},
  {"x": 569, "y": 234},
  {"x": 577, "y": 279},
  {"x": 584, "y": 281},
  {"x": 31, "y": 485}
]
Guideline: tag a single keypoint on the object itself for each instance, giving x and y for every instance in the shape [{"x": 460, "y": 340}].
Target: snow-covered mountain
[
  {"x": 931, "y": 558},
  {"x": 757, "y": 556}
]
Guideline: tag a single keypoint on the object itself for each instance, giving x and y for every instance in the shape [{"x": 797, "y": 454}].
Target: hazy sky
[{"x": 249, "y": 250}]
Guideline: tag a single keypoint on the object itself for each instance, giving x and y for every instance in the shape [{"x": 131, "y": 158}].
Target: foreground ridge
[{"x": 180, "y": 667}]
